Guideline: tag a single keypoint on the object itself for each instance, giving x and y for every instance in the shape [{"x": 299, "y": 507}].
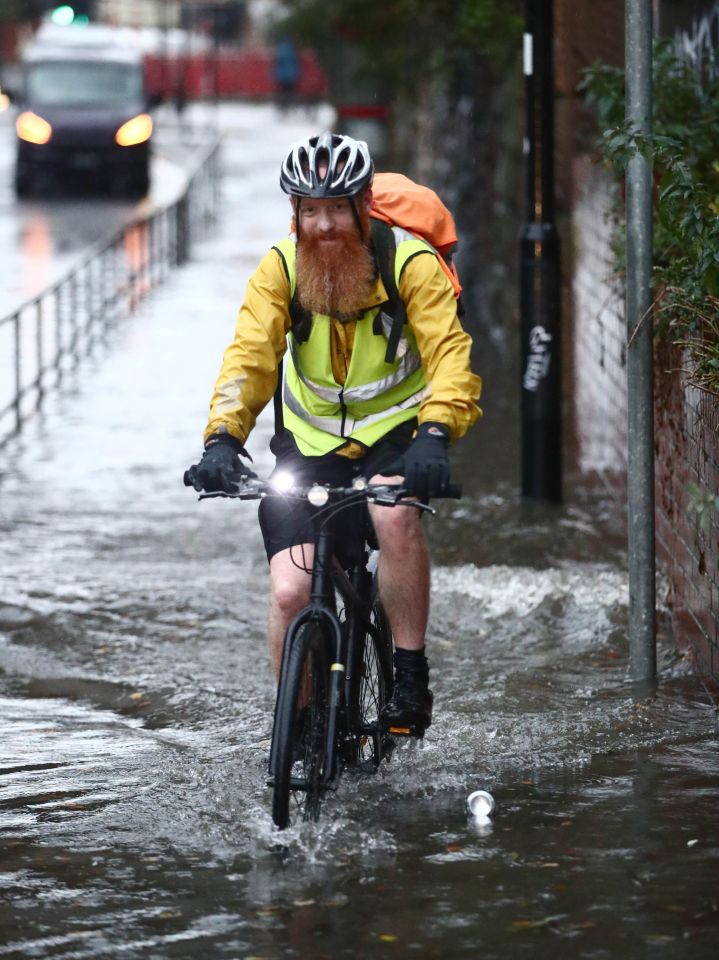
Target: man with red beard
[{"x": 316, "y": 299}]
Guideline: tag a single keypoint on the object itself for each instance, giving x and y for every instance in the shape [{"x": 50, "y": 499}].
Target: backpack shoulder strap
[
  {"x": 300, "y": 317},
  {"x": 386, "y": 250}
]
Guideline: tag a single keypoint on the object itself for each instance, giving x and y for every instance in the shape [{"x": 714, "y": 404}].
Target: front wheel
[
  {"x": 374, "y": 688},
  {"x": 300, "y": 733}
]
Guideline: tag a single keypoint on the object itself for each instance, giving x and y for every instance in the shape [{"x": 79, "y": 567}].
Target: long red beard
[{"x": 335, "y": 278}]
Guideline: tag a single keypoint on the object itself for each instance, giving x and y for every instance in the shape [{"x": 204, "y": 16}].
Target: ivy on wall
[{"x": 684, "y": 150}]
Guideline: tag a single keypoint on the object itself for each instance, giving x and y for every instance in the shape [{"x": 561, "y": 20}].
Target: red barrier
[{"x": 242, "y": 73}]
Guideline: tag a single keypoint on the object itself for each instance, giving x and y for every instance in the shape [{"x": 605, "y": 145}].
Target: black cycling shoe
[{"x": 408, "y": 712}]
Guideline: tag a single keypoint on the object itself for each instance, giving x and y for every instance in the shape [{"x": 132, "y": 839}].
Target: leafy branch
[{"x": 683, "y": 149}]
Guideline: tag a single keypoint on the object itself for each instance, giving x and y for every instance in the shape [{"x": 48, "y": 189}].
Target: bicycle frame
[
  {"x": 342, "y": 701},
  {"x": 328, "y": 576},
  {"x": 344, "y": 640}
]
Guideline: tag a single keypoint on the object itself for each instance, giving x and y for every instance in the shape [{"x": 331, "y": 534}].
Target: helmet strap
[
  {"x": 355, "y": 214},
  {"x": 297, "y": 217}
]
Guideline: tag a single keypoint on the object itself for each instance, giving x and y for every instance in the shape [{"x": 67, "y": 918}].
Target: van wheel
[
  {"x": 134, "y": 187},
  {"x": 23, "y": 184},
  {"x": 140, "y": 187}
]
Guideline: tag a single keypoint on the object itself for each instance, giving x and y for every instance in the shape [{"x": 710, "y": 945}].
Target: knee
[
  {"x": 290, "y": 592},
  {"x": 397, "y": 528}
]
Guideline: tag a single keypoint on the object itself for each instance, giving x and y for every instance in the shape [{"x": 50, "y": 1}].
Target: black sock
[{"x": 411, "y": 661}]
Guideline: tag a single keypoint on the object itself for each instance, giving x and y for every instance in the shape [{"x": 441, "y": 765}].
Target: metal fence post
[
  {"x": 40, "y": 360},
  {"x": 18, "y": 373},
  {"x": 183, "y": 230}
]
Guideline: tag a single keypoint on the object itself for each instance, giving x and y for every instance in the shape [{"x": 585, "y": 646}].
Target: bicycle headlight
[
  {"x": 32, "y": 128},
  {"x": 283, "y": 481},
  {"x": 135, "y": 131},
  {"x": 317, "y": 495}
]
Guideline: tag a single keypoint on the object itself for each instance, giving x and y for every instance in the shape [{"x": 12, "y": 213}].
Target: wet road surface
[{"x": 136, "y": 694}]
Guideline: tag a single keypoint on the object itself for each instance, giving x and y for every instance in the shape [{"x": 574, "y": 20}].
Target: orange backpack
[{"x": 401, "y": 202}]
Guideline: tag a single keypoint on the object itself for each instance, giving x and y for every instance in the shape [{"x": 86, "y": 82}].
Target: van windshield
[{"x": 77, "y": 84}]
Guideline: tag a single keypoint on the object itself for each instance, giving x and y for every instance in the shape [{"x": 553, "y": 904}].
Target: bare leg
[
  {"x": 289, "y": 593},
  {"x": 403, "y": 571}
]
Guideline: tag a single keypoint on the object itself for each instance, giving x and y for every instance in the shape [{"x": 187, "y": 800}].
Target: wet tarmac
[{"x": 136, "y": 694}]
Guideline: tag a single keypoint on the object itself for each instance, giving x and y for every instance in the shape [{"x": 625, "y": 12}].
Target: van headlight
[
  {"x": 32, "y": 128},
  {"x": 137, "y": 130}
]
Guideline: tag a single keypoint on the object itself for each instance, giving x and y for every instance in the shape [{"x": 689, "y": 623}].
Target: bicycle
[{"x": 336, "y": 672}]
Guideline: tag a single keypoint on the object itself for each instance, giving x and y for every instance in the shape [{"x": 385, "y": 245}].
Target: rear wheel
[{"x": 300, "y": 734}]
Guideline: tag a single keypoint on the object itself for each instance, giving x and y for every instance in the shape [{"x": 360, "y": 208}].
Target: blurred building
[
  {"x": 140, "y": 13},
  {"x": 223, "y": 19}
]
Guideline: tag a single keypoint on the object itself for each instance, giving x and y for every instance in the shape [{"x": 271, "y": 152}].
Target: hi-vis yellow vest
[{"x": 377, "y": 396}]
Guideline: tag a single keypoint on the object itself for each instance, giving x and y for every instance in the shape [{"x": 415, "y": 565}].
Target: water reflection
[{"x": 37, "y": 252}]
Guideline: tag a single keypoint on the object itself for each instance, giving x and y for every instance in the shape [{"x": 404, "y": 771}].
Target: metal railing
[{"x": 48, "y": 336}]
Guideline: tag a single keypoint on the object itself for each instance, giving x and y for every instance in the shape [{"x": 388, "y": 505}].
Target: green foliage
[
  {"x": 684, "y": 150},
  {"x": 407, "y": 39}
]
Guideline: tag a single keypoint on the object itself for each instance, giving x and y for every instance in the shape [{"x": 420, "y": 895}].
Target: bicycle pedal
[{"x": 410, "y": 733}]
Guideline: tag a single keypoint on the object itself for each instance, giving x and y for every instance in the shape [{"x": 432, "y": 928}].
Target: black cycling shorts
[{"x": 289, "y": 523}]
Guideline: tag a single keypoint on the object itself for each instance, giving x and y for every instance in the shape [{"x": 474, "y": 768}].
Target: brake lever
[
  {"x": 393, "y": 498},
  {"x": 242, "y": 491}
]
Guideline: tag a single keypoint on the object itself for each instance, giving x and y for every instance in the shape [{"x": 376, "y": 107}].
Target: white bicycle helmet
[{"x": 330, "y": 165}]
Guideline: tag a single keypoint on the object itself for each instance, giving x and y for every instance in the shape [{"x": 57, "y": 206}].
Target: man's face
[{"x": 326, "y": 220}]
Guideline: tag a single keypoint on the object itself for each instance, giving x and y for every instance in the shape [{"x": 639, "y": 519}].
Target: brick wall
[
  {"x": 686, "y": 419},
  {"x": 687, "y": 447}
]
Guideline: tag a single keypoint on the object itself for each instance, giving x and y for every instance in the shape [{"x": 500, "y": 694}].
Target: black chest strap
[{"x": 386, "y": 250}]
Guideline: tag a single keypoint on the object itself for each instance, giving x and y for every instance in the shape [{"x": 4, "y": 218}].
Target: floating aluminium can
[{"x": 480, "y": 804}]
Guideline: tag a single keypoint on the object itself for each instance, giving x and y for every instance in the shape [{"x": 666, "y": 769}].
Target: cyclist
[{"x": 345, "y": 412}]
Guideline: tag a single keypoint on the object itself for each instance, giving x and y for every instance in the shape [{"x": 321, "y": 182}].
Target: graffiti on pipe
[{"x": 538, "y": 359}]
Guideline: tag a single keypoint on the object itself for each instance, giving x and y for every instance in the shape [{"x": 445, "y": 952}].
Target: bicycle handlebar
[{"x": 385, "y": 494}]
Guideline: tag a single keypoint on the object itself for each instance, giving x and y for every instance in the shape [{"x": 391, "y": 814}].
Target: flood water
[{"x": 136, "y": 694}]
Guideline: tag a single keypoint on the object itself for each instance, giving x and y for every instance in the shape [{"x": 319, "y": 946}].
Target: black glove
[
  {"x": 425, "y": 464},
  {"x": 220, "y": 467}
]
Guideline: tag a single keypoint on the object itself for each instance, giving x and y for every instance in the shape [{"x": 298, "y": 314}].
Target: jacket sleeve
[
  {"x": 444, "y": 346},
  {"x": 249, "y": 372}
]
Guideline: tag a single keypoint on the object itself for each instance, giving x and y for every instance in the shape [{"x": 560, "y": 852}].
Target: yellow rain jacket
[{"x": 249, "y": 373}]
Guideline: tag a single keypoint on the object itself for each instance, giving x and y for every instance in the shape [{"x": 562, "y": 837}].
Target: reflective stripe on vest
[{"x": 320, "y": 412}]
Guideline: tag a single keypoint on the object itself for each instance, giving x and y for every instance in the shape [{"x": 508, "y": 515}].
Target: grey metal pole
[{"x": 640, "y": 468}]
